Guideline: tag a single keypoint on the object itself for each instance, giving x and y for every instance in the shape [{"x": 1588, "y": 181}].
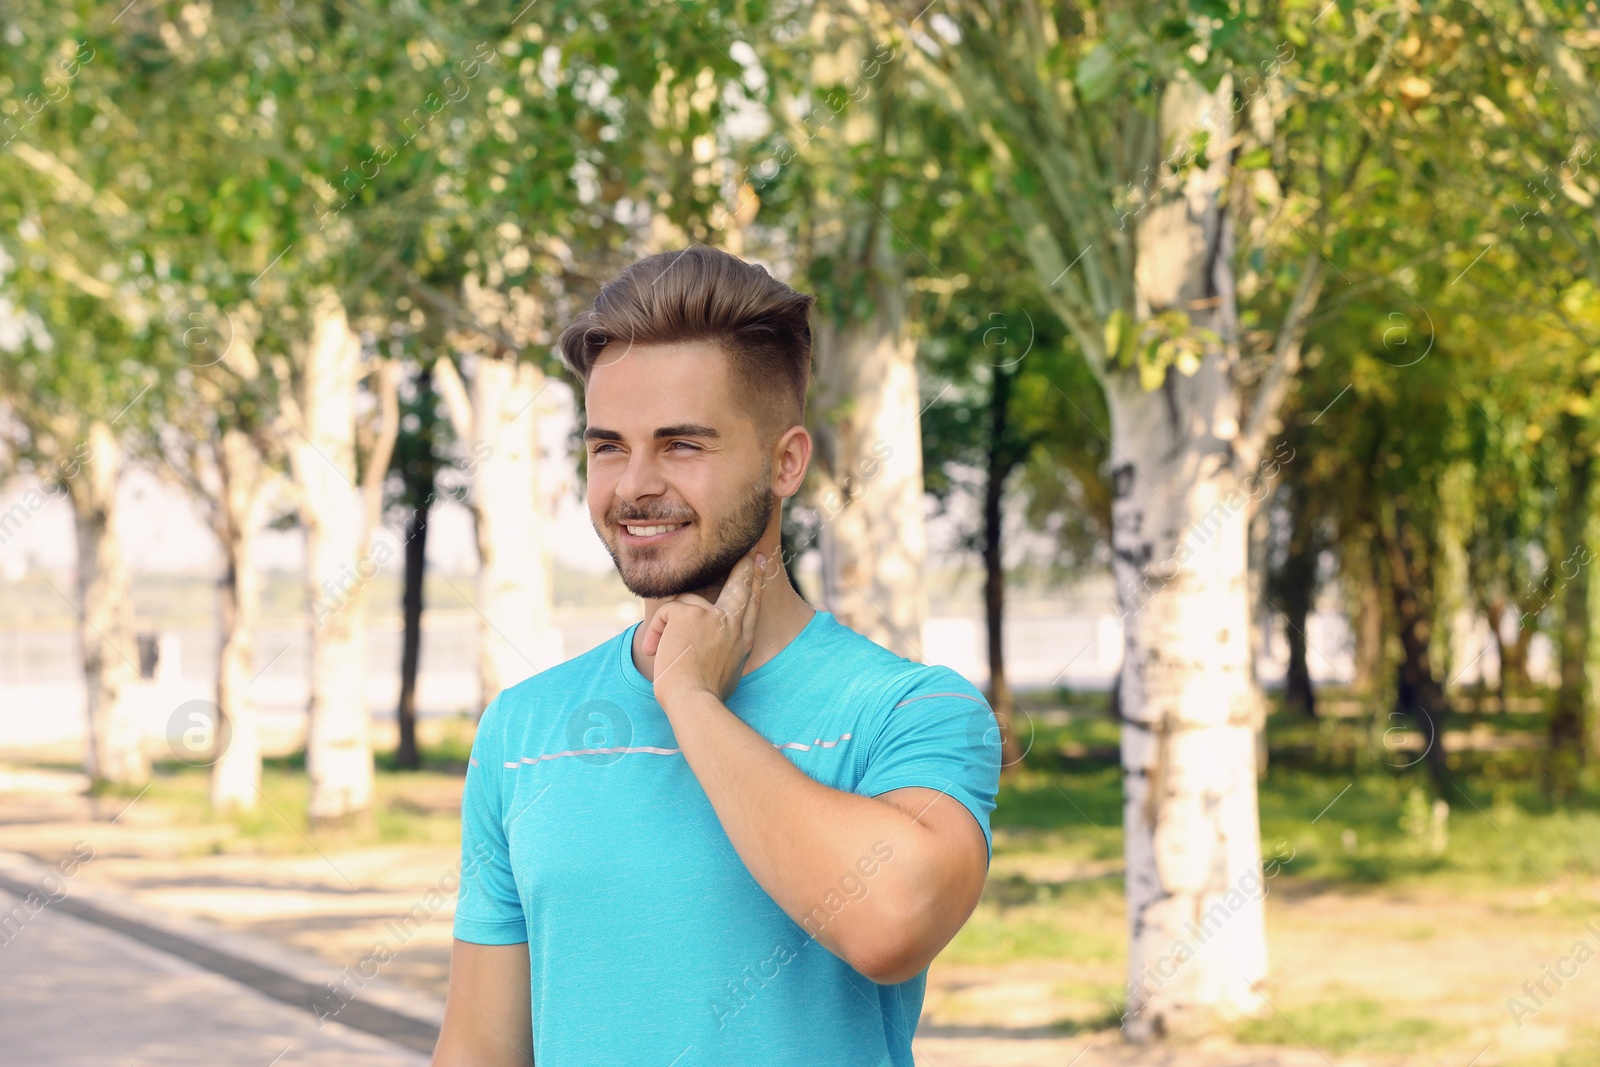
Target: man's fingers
[
  {"x": 737, "y": 578},
  {"x": 658, "y": 626},
  {"x": 735, "y": 595}
]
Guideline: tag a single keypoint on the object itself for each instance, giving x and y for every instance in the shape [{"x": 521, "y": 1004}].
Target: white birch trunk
[
  {"x": 236, "y": 771},
  {"x": 338, "y": 742},
  {"x": 517, "y": 637},
  {"x": 1260, "y": 614},
  {"x": 105, "y": 633},
  {"x": 1180, "y": 539},
  {"x": 868, "y": 434}
]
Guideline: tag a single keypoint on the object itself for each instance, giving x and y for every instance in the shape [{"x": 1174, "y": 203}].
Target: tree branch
[
  {"x": 460, "y": 316},
  {"x": 447, "y": 381},
  {"x": 1285, "y": 360}
]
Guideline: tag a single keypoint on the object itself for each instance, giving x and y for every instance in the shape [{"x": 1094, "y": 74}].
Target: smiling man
[{"x": 738, "y": 832}]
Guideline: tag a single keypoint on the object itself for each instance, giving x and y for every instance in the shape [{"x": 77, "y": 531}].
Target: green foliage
[{"x": 1161, "y": 341}]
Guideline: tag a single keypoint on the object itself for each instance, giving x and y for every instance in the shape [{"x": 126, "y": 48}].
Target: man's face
[{"x": 669, "y": 445}]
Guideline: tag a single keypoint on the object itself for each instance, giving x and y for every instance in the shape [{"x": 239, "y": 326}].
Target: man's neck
[{"x": 783, "y": 614}]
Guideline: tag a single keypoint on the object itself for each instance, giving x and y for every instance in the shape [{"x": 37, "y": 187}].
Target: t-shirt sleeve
[
  {"x": 488, "y": 909},
  {"x": 940, "y": 734}
]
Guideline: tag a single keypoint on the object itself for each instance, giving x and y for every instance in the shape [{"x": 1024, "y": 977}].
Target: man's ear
[{"x": 793, "y": 458}]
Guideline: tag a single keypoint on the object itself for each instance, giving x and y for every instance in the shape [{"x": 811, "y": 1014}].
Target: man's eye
[
  {"x": 686, "y": 443},
  {"x": 602, "y": 447}
]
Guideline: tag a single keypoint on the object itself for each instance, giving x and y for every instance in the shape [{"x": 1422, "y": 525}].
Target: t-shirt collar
[{"x": 808, "y": 633}]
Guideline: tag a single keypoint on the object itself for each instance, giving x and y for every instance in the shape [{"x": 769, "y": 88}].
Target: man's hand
[{"x": 702, "y": 647}]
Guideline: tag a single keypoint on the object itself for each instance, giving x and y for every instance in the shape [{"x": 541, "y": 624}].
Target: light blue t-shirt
[{"x": 586, "y": 834}]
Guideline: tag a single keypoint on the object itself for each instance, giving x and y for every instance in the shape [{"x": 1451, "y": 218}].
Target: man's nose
[{"x": 642, "y": 477}]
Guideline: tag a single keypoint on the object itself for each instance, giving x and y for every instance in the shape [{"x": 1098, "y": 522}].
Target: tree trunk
[
  {"x": 1517, "y": 677},
  {"x": 994, "y": 575},
  {"x": 1569, "y": 726},
  {"x": 236, "y": 765},
  {"x": 116, "y": 748},
  {"x": 868, "y": 434},
  {"x": 1256, "y": 565},
  {"x": 517, "y": 637},
  {"x": 339, "y": 742},
  {"x": 411, "y": 606},
  {"x": 865, "y": 415},
  {"x": 1299, "y": 584},
  {"x": 1369, "y": 619},
  {"x": 1419, "y": 693},
  {"x": 1180, "y": 556},
  {"x": 1188, "y": 739},
  {"x": 1495, "y": 612}
]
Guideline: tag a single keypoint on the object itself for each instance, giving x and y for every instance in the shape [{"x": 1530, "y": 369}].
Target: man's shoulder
[
  {"x": 561, "y": 679},
  {"x": 901, "y": 678}
]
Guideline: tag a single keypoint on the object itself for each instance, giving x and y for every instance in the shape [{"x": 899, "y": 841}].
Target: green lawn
[
  {"x": 1339, "y": 812},
  {"x": 412, "y": 806}
]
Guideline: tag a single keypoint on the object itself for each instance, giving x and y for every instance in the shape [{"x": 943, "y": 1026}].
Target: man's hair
[{"x": 706, "y": 294}]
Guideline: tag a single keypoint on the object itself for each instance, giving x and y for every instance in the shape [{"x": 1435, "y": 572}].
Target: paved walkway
[
  {"x": 76, "y": 994},
  {"x": 96, "y": 990}
]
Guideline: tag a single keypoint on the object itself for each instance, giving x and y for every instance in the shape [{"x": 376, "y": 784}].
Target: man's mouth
[{"x": 649, "y": 534}]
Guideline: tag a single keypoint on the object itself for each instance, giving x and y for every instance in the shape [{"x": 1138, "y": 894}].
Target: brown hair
[{"x": 705, "y": 294}]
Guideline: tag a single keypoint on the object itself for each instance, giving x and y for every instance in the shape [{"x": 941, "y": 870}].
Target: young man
[{"x": 738, "y": 832}]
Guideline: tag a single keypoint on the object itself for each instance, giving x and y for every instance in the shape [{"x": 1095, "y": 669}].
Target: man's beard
[{"x": 648, "y": 575}]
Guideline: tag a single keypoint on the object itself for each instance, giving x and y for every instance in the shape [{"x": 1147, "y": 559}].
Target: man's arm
[
  {"x": 811, "y": 846},
  {"x": 487, "y": 1012},
  {"x": 957, "y": 881},
  {"x": 883, "y": 882}
]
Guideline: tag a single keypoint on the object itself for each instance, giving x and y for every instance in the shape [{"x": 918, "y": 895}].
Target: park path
[{"x": 76, "y": 994}]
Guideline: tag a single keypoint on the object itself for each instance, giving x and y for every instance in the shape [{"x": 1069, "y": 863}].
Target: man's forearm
[{"x": 809, "y": 845}]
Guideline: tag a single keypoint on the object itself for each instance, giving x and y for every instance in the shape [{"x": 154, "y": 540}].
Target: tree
[
  {"x": 74, "y": 380},
  {"x": 1008, "y": 417},
  {"x": 416, "y": 461},
  {"x": 221, "y": 449},
  {"x": 1133, "y": 194},
  {"x": 1057, "y": 132},
  {"x": 209, "y": 255},
  {"x": 1548, "y": 122},
  {"x": 597, "y": 136},
  {"x": 66, "y": 386},
  {"x": 837, "y": 178},
  {"x": 1293, "y": 584}
]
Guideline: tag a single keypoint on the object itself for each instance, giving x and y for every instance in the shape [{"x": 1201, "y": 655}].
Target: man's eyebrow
[{"x": 682, "y": 429}]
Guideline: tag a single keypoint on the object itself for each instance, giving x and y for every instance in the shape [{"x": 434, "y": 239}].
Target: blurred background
[{"x": 1210, "y": 383}]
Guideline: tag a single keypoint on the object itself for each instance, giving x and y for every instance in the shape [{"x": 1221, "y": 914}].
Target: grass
[
  {"x": 1343, "y": 1026},
  {"x": 1584, "y": 1051},
  {"x": 1080, "y": 921},
  {"x": 406, "y": 810},
  {"x": 1092, "y": 1021},
  {"x": 1342, "y": 817}
]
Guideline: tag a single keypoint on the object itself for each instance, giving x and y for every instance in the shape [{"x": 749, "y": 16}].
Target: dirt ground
[{"x": 1452, "y": 958}]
